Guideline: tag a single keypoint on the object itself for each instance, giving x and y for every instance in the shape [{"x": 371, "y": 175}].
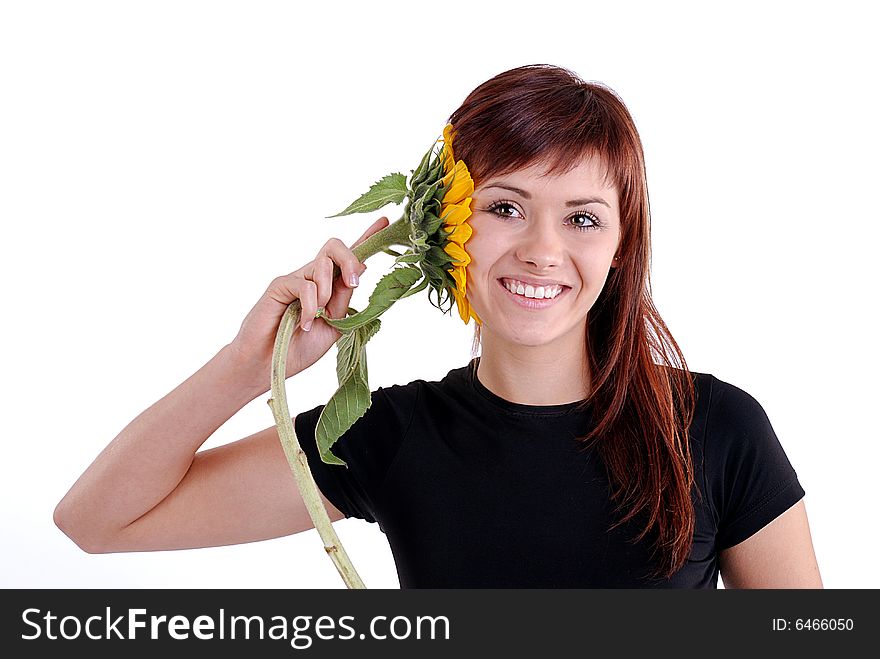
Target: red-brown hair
[{"x": 641, "y": 391}]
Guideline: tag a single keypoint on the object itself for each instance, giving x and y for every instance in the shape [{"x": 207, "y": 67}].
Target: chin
[
  {"x": 532, "y": 343},
  {"x": 531, "y": 336}
]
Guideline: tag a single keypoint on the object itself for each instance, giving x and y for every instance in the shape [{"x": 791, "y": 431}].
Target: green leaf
[
  {"x": 416, "y": 289},
  {"x": 352, "y": 398},
  {"x": 389, "y": 289},
  {"x": 391, "y": 189}
]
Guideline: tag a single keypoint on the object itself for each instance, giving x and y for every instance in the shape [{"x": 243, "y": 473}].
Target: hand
[{"x": 313, "y": 285}]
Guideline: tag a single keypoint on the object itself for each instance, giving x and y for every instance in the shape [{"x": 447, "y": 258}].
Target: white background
[{"x": 162, "y": 162}]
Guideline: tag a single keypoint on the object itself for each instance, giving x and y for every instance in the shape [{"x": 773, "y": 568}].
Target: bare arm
[
  {"x": 149, "y": 489},
  {"x": 780, "y": 555}
]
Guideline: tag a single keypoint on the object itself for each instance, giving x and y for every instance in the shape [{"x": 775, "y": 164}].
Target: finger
[
  {"x": 308, "y": 301},
  {"x": 349, "y": 266},
  {"x": 322, "y": 275},
  {"x": 286, "y": 288},
  {"x": 378, "y": 225},
  {"x": 338, "y": 305}
]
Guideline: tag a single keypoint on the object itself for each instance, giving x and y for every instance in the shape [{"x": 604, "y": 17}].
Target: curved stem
[
  {"x": 394, "y": 234},
  {"x": 297, "y": 458}
]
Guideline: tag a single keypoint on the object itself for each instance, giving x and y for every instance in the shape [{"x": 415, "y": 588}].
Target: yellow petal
[
  {"x": 461, "y": 234},
  {"x": 476, "y": 317},
  {"x": 457, "y": 252},
  {"x": 464, "y": 309},
  {"x": 462, "y": 184},
  {"x": 456, "y": 213},
  {"x": 460, "y": 277},
  {"x": 449, "y": 157}
]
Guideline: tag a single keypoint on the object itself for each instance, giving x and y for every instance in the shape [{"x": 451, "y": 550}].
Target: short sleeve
[
  {"x": 368, "y": 449},
  {"x": 750, "y": 477}
]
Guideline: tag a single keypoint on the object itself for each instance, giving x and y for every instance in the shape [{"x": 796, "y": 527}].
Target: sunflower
[
  {"x": 433, "y": 227},
  {"x": 455, "y": 210}
]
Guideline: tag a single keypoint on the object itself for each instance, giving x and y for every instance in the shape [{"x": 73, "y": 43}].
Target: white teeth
[{"x": 539, "y": 292}]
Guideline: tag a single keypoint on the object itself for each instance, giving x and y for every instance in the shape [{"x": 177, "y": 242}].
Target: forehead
[{"x": 588, "y": 174}]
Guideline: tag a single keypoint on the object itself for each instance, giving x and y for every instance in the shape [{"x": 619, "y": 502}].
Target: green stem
[{"x": 396, "y": 233}]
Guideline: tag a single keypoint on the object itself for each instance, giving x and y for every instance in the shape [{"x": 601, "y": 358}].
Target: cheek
[
  {"x": 480, "y": 247},
  {"x": 477, "y": 248}
]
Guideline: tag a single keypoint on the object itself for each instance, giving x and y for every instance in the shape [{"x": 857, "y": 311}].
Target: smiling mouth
[{"x": 527, "y": 296}]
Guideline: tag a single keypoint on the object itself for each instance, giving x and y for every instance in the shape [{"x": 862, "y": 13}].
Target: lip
[{"x": 532, "y": 303}]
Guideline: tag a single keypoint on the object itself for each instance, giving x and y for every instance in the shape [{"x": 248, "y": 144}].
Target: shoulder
[
  {"x": 392, "y": 408},
  {"x": 432, "y": 392},
  {"x": 737, "y": 427},
  {"x": 369, "y": 447},
  {"x": 722, "y": 408},
  {"x": 732, "y": 419},
  {"x": 731, "y": 406},
  {"x": 749, "y": 477},
  {"x": 402, "y": 398}
]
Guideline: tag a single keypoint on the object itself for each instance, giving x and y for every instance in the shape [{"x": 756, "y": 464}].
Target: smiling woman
[{"x": 577, "y": 450}]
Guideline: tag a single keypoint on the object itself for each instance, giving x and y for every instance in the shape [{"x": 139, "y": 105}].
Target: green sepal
[
  {"x": 434, "y": 175},
  {"x": 437, "y": 256},
  {"x": 434, "y": 273},
  {"x": 408, "y": 257},
  {"x": 432, "y": 223},
  {"x": 422, "y": 170},
  {"x": 443, "y": 296}
]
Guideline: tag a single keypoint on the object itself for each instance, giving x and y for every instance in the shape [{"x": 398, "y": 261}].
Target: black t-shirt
[{"x": 473, "y": 491}]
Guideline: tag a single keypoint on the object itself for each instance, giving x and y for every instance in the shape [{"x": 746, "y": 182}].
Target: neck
[{"x": 534, "y": 375}]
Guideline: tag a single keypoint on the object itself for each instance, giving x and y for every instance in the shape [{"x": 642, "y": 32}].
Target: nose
[{"x": 541, "y": 246}]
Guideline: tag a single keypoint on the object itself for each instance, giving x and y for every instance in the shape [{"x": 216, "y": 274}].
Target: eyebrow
[{"x": 573, "y": 202}]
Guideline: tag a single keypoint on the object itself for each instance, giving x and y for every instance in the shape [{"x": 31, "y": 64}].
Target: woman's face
[{"x": 552, "y": 232}]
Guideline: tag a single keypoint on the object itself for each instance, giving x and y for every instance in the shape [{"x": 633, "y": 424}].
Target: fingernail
[
  {"x": 354, "y": 280},
  {"x": 307, "y": 326}
]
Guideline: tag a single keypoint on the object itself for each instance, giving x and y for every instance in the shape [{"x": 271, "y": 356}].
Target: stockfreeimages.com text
[{"x": 299, "y": 630}]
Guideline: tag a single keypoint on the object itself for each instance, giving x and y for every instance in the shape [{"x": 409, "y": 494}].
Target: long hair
[{"x": 641, "y": 391}]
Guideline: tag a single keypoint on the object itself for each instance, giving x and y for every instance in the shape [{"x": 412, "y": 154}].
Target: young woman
[{"x": 576, "y": 451}]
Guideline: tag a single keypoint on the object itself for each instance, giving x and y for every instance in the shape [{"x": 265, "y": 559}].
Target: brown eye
[
  {"x": 588, "y": 217},
  {"x": 494, "y": 208}
]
